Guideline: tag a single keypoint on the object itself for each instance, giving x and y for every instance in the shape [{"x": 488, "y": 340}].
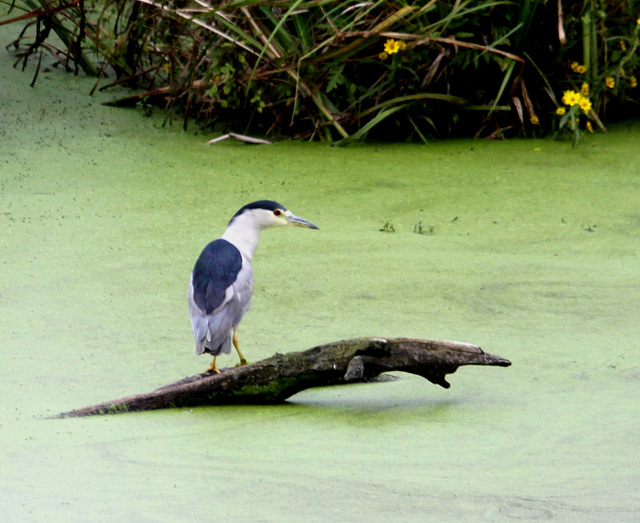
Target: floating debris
[{"x": 242, "y": 138}]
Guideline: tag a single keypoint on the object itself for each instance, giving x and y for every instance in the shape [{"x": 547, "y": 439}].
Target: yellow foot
[
  {"x": 213, "y": 367},
  {"x": 242, "y": 362}
]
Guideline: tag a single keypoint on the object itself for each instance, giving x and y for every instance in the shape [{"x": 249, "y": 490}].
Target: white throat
[{"x": 243, "y": 232}]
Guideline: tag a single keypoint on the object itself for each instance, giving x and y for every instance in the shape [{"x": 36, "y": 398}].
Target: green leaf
[
  {"x": 335, "y": 78},
  {"x": 364, "y": 130}
]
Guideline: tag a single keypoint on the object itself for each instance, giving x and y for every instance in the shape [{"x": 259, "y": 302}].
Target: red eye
[{"x": 277, "y": 212}]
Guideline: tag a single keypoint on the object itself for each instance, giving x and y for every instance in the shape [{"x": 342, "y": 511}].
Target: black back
[{"x": 217, "y": 267}]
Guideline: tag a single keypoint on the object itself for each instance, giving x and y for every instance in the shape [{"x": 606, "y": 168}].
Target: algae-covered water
[{"x": 534, "y": 256}]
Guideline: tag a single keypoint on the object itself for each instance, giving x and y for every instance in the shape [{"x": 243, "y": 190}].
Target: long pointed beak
[{"x": 299, "y": 222}]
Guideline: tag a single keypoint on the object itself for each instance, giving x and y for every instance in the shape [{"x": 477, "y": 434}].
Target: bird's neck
[{"x": 244, "y": 234}]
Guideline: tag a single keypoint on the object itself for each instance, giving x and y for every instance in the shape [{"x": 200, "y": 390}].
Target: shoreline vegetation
[{"x": 341, "y": 71}]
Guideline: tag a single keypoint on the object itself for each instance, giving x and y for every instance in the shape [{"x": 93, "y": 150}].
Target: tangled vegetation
[{"x": 345, "y": 70}]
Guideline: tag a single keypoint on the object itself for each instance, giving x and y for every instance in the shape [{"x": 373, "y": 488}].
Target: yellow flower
[
  {"x": 611, "y": 83},
  {"x": 589, "y": 127},
  {"x": 534, "y": 120},
  {"x": 585, "y": 89},
  {"x": 638, "y": 21},
  {"x": 571, "y": 98},
  {"x": 634, "y": 81},
  {"x": 623, "y": 45},
  {"x": 383, "y": 55},
  {"x": 622, "y": 72},
  {"x": 577, "y": 68},
  {"x": 585, "y": 104},
  {"x": 392, "y": 46}
]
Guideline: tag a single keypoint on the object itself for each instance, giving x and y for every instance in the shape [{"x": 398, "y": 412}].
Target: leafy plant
[
  {"x": 387, "y": 227},
  {"x": 425, "y": 229},
  {"x": 345, "y": 71}
]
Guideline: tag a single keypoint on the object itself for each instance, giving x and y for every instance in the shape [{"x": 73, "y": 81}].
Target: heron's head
[{"x": 267, "y": 213}]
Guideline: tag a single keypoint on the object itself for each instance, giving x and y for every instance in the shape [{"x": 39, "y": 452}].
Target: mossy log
[{"x": 280, "y": 376}]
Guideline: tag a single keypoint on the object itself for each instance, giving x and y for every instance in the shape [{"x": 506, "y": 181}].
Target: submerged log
[{"x": 280, "y": 376}]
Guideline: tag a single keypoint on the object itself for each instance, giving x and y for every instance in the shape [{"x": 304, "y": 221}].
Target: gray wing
[{"x": 219, "y": 295}]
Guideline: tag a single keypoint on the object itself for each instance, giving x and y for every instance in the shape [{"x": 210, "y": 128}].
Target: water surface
[{"x": 533, "y": 256}]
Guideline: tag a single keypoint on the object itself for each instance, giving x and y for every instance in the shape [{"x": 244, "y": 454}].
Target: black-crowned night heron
[{"x": 222, "y": 280}]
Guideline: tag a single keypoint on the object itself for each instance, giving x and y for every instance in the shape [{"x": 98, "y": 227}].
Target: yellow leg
[
  {"x": 213, "y": 367},
  {"x": 235, "y": 344}
]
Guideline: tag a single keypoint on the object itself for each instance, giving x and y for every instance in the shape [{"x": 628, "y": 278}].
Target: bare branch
[{"x": 279, "y": 377}]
